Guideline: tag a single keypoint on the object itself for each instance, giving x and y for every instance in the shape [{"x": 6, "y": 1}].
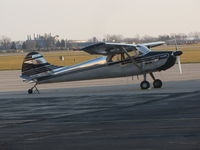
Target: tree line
[
  {"x": 49, "y": 42},
  {"x": 191, "y": 38}
]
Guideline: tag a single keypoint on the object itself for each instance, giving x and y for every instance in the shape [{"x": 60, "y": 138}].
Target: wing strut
[{"x": 131, "y": 58}]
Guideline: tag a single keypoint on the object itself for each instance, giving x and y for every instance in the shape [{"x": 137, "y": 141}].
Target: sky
[{"x": 84, "y": 19}]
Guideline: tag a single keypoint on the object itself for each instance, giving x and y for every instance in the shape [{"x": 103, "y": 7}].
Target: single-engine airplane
[{"x": 118, "y": 60}]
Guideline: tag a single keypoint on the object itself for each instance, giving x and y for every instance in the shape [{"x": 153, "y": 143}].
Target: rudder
[{"x": 35, "y": 63}]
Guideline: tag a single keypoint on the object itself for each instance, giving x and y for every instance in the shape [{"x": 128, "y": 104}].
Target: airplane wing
[
  {"x": 108, "y": 48},
  {"x": 153, "y": 44},
  {"x": 117, "y": 48}
]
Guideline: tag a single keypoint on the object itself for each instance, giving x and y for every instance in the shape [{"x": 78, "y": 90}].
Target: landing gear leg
[
  {"x": 156, "y": 83},
  {"x": 145, "y": 84},
  {"x": 30, "y": 91}
]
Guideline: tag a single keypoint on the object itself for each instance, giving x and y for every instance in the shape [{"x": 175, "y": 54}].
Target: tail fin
[{"x": 34, "y": 63}]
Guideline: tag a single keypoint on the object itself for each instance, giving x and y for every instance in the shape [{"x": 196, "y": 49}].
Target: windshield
[{"x": 143, "y": 49}]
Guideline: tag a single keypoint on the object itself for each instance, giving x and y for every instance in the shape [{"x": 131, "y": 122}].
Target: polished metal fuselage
[{"x": 100, "y": 68}]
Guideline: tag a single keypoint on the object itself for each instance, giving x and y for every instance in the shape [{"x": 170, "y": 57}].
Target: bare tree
[
  {"x": 195, "y": 35},
  {"x": 5, "y": 42},
  {"x": 30, "y": 44},
  {"x": 114, "y": 38},
  {"x": 163, "y": 37},
  {"x": 62, "y": 43},
  {"x": 50, "y": 41},
  {"x": 129, "y": 40},
  {"x": 148, "y": 38},
  {"x": 93, "y": 40},
  {"x": 13, "y": 45}
]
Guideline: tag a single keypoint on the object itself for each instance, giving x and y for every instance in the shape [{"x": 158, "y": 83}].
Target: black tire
[
  {"x": 30, "y": 91},
  {"x": 157, "y": 83},
  {"x": 145, "y": 85}
]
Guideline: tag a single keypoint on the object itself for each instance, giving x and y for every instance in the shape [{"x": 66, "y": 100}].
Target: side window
[
  {"x": 120, "y": 57},
  {"x": 134, "y": 53},
  {"x": 116, "y": 58}
]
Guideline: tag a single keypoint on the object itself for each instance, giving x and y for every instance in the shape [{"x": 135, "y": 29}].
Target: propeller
[
  {"x": 179, "y": 64},
  {"x": 178, "y": 58}
]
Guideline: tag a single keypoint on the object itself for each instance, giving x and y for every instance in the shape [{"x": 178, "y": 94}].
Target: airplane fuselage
[{"x": 100, "y": 68}]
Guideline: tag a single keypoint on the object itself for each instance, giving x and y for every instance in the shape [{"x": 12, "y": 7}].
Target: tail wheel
[
  {"x": 157, "y": 83},
  {"x": 30, "y": 91},
  {"x": 144, "y": 85}
]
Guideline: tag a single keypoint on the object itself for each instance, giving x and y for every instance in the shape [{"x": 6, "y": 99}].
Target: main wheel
[
  {"x": 157, "y": 83},
  {"x": 30, "y": 91},
  {"x": 145, "y": 85}
]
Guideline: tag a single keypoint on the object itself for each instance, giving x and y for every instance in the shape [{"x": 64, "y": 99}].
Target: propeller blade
[{"x": 179, "y": 64}]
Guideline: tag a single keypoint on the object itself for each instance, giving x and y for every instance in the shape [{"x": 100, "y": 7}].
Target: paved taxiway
[{"x": 102, "y": 114}]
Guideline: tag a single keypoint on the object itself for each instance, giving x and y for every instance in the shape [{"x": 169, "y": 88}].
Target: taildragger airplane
[{"x": 118, "y": 60}]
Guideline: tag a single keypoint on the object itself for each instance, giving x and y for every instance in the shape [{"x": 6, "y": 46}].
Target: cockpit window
[
  {"x": 116, "y": 57},
  {"x": 120, "y": 57},
  {"x": 135, "y": 53}
]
